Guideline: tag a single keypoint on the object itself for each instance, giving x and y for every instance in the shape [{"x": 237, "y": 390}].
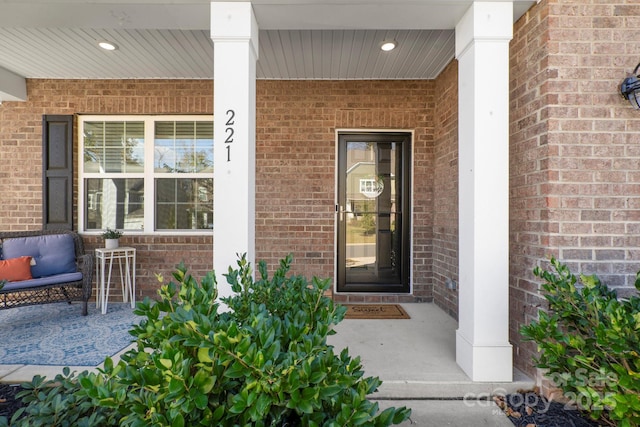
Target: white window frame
[
  {"x": 367, "y": 184},
  {"x": 148, "y": 175}
]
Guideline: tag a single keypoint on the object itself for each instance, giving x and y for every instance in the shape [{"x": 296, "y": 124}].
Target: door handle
[{"x": 340, "y": 210}]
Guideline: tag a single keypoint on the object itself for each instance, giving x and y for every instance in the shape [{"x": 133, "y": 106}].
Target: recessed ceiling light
[
  {"x": 388, "y": 45},
  {"x": 108, "y": 45}
]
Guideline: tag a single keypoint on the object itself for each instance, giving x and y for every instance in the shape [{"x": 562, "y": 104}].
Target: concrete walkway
[
  {"x": 415, "y": 359},
  {"x": 440, "y": 413}
]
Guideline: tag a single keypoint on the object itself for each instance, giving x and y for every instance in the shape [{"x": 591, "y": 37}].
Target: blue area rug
[{"x": 57, "y": 334}]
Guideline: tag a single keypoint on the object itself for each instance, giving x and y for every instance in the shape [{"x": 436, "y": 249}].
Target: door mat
[{"x": 375, "y": 311}]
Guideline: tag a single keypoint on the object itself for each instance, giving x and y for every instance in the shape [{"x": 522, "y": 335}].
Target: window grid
[{"x": 119, "y": 180}]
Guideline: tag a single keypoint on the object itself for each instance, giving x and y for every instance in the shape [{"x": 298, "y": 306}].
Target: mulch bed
[
  {"x": 8, "y": 402},
  {"x": 529, "y": 409}
]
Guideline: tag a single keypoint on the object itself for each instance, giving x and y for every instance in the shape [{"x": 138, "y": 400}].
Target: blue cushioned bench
[{"x": 60, "y": 269}]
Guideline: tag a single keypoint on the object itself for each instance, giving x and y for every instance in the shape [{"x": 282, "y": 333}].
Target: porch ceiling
[{"x": 299, "y": 39}]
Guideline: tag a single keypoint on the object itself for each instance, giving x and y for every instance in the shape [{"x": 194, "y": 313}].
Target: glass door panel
[{"x": 373, "y": 202}]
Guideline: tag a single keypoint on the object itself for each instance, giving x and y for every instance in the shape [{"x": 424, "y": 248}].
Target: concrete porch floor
[{"x": 415, "y": 359}]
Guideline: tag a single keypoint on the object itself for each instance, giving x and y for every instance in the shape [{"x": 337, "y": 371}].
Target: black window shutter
[{"x": 57, "y": 172}]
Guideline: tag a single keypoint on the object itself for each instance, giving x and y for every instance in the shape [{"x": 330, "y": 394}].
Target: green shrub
[
  {"x": 61, "y": 402},
  {"x": 264, "y": 361},
  {"x": 368, "y": 223},
  {"x": 589, "y": 343}
]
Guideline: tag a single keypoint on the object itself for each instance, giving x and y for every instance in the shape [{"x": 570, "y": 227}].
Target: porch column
[
  {"x": 483, "y": 350},
  {"x": 234, "y": 32},
  {"x": 12, "y": 86}
]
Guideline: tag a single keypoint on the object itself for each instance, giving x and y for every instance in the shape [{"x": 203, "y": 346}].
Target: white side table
[{"x": 104, "y": 263}]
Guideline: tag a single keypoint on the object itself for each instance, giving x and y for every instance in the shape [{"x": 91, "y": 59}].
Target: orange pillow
[{"x": 15, "y": 269}]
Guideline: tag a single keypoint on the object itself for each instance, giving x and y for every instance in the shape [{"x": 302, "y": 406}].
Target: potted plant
[{"x": 111, "y": 237}]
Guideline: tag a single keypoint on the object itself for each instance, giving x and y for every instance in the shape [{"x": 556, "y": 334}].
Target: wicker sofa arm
[{"x": 86, "y": 266}]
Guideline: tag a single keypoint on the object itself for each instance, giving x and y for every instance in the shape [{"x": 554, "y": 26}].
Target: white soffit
[
  {"x": 354, "y": 54},
  {"x": 299, "y": 39}
]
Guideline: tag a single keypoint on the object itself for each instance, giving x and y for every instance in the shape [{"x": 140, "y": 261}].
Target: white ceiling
[{"x": 298, "y": 39}]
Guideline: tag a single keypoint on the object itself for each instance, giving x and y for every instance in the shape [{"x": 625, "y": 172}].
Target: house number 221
[{"x": 229, "y": 130}]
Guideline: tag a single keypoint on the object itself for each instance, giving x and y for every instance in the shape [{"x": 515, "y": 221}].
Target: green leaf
[
  {"x": 305, "y": 406},
  {"x": 239, "y": 405},
  {"x": 218, "y": 413},
  {"x": 263, "y": 403},
  {"x": 360, "y": 418},
  {"x": 203, "y": 355},
  {"x": 176, "y": 385},
  {"x": 204, "y": 381},
  {"x": 201, "y": 401},
  {"x": 317, "y": 377},
  {"x": 237, "y": 370},
  {"x": 178, "y": 421}
]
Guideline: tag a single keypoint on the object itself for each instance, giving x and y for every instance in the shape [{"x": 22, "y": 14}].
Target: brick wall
[
  {"x": 296, "y": 149},
  {"x": 529, "y": 154},
  {"x": 21, "y": 156},
  {"x": 296, "y": 124},
  {"x": 445, "y": 206},
  {"x": 575, "y": 149}
]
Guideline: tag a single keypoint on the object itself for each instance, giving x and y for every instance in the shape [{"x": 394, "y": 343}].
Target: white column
[
  {"x": 483, "y": 350},
  {"x": 12, "y": 86},
  {"x": 234, "y": 32}
]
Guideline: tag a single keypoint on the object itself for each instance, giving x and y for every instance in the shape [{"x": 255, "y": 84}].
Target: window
[
  {"x": 146, "y": 173},
  {"x": 371, "y": 187},
  {"x": 367, "y": 185}
]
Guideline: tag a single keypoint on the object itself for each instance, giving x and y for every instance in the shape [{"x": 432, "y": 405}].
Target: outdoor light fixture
[
  {"x": 108, "y": 45},
  {"x": 630, "y": 89},
  {"x": 388, "y": 45}
]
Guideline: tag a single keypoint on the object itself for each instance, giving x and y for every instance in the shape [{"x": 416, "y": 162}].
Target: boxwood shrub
[{"x": 589, "y": 344}]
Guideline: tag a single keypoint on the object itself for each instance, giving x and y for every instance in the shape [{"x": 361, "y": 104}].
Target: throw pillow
[{"x": 15, "y": 269}]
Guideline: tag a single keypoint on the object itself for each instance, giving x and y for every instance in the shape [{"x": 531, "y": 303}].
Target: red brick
[{"x": 591, "y": 46}]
